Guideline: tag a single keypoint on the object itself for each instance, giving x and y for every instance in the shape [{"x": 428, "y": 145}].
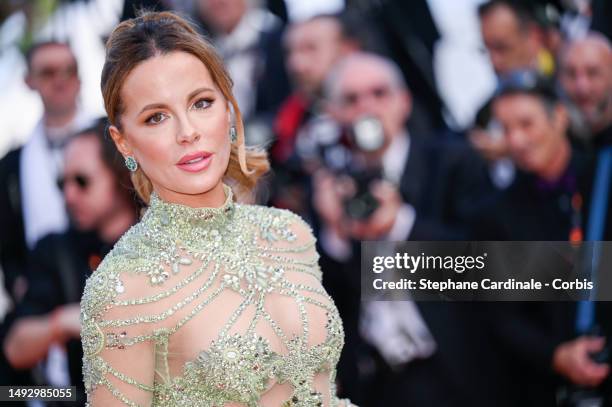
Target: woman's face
[{"x": 176, "y": 125}]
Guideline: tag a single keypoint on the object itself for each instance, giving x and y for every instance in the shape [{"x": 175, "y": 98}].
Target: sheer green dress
[{"x": 211, "y": 307}]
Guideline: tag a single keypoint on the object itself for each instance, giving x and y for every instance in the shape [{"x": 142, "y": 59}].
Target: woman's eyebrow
[
  {"x": 152, "y": 106},
  {"x": 190, "y": 96},
  {"x": 199, "y": 90}
]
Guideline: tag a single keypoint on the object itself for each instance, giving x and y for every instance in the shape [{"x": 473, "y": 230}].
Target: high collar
[{"x": 179, "y": 220}]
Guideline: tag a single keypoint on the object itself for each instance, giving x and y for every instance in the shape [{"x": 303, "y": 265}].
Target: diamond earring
[
  {"x": 130, "y": 163},
  {"x": 233, "y": 135}
]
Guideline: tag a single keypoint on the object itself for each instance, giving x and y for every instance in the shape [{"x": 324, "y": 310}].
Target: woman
[{"x": 205, "y": 302}]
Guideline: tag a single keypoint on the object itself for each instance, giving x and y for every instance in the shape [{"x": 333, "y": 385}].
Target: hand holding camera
[
  {"x": 380, "y": 222},
  {"x": 355, "y": 200},
  {"x": 335, "y": 200},
  {"x": 578, "y": 361}
]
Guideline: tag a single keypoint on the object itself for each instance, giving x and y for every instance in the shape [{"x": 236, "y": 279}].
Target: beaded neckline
[{"x": 172, "y": 214}]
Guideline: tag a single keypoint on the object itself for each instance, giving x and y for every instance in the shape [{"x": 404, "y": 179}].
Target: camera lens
[{"x": 368, "y": 134}]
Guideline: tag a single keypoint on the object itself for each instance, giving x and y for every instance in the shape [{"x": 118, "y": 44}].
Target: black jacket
[
  {"x": 530, "y": 209},
  {"x": 13, "y": 253},
  {"x": 444, "y": 181},
  {"x": 13, "y": 248}
]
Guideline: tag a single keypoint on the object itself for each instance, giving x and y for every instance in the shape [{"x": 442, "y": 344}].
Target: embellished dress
[{"x": 211, "y": 307}]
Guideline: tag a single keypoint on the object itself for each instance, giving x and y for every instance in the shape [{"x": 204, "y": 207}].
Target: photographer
[
  {"x": 545, "y": 200},
  {"x": 377, "y": 181},
  {"x": 548, "y": 201}
]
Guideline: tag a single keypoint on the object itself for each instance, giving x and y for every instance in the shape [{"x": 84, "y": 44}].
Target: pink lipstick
[{"x": 195, "y": 162}]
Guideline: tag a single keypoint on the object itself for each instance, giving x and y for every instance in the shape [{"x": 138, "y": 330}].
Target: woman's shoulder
[
  {"x": 125, "y": 261},
  {"x": 270, "y": 219}
]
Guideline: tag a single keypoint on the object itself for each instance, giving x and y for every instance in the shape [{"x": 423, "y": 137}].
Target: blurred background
[{"x": 384, "y": 120}]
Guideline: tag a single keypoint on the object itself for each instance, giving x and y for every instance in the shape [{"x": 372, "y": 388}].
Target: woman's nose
[{"x": 186, "y": 133}]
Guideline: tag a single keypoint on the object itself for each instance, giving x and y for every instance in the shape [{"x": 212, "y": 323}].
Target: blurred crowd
[{"x": 364, "y": 146}]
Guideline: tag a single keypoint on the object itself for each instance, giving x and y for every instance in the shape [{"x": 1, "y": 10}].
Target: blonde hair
[{"x": 154, "y": 33}]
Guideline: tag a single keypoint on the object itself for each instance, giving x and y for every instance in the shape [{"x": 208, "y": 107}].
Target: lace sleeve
[{"x": 119, "y": 338}]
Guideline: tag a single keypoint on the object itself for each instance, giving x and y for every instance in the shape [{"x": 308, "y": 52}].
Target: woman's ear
[{"x": 120, "y": 141}]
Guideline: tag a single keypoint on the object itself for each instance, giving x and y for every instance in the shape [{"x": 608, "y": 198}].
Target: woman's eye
[
  {"x": 156, "y": 118},
  {"x": 202, "y": 104}
]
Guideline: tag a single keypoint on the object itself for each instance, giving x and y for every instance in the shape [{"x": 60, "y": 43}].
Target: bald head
[
  {"x": 594, "y": 42},
  {"x": 586, "y": 77},
  {"x": 362, "y": 62},
  {"x": 364, "y": 84}
]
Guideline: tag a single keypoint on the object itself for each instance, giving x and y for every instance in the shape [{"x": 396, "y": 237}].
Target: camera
[
  {"x": 350, "y": 153},
  {"x": 362, "y": 203},
  {"x": 367, "y": 136}
]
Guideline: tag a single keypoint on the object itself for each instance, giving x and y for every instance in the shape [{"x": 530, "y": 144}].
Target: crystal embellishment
[{"x": 180, "y": 260}]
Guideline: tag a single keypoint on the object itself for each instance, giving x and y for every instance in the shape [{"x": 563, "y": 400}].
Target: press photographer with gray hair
[{"x": 378, "y": 180}]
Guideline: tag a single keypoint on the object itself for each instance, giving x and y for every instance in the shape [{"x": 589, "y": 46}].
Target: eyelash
[
  {"x": 150, "y": 121},
  {"x": 207, "y": 100}
]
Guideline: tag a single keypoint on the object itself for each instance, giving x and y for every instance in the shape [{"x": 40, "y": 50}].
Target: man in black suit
[
  {"x": 422, "y": 191},
  {"x": 586, "y": 78},
  {"x": 546, "y": 202},
  {"x": 369, "y": 99},
  {"x": 26, "y": 172}
]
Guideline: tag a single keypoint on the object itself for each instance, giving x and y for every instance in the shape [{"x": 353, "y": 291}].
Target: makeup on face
[
  {"x": 195, "y": 162},
  {"x": 176, "y": 125}
]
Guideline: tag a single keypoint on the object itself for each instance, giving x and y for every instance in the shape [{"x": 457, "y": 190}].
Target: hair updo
[{"x": 157, "y": 33}]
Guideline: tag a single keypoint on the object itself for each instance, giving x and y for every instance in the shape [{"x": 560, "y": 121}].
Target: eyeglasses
[
  {"x": 377, "y": 92},
  {"x": 50, "y": 72},
  {"x": 81, "y": 181}
]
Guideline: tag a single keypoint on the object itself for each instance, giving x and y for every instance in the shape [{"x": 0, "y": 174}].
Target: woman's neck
[{"x": 213, "y": 198}]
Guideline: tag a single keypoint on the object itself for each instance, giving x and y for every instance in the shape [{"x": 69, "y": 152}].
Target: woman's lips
[{"x": 195, "y": 162}]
